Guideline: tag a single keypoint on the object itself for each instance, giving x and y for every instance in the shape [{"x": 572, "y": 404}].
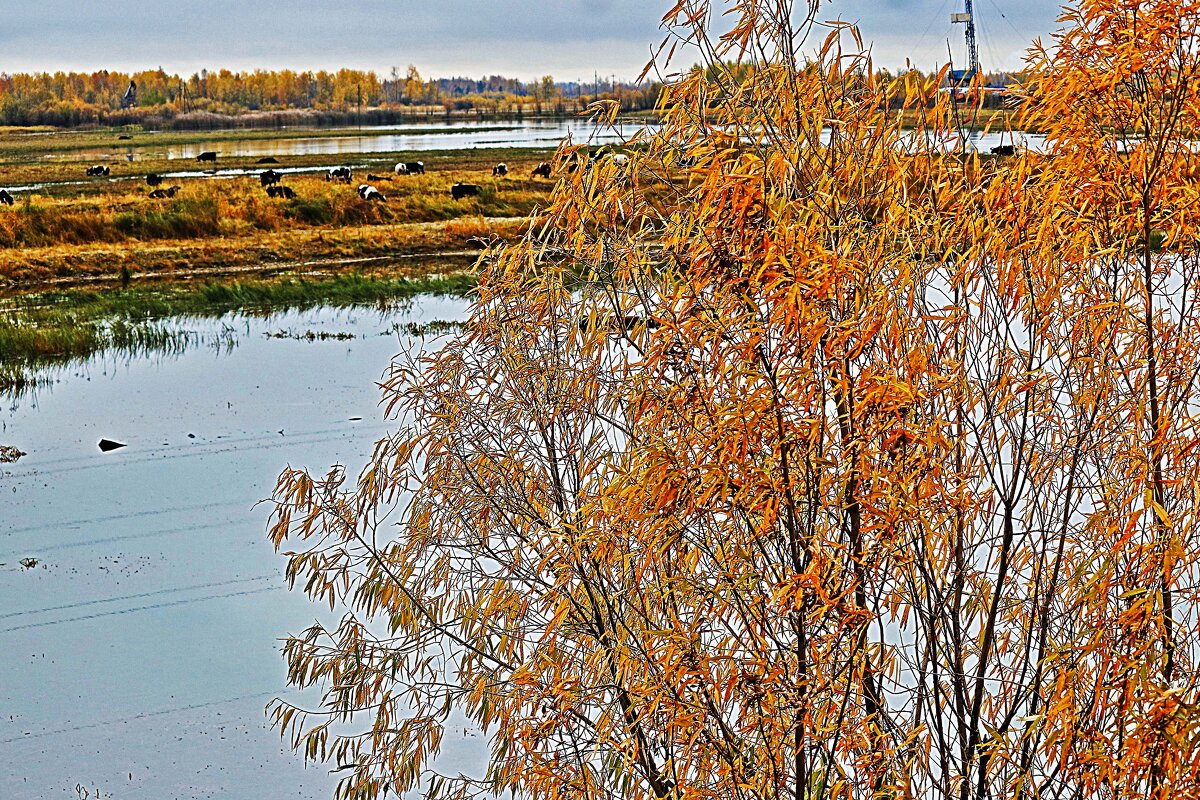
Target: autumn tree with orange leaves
[{"x": 805, "y": 456}]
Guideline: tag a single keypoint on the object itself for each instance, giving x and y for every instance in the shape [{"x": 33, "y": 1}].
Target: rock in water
[{"x": 108, "y": 445}]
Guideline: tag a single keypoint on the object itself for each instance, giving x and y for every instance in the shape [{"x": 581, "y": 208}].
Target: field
[{"x": 67, "y": 227}]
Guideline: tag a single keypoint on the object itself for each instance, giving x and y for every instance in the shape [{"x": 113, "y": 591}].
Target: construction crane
[{"x": 958, "y": 77}]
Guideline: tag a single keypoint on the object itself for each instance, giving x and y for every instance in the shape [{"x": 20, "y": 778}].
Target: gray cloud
[{"x": 569, "y": 38}]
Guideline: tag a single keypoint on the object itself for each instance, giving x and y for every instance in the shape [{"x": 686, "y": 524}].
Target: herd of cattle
[{"x": 271, "y": 180}]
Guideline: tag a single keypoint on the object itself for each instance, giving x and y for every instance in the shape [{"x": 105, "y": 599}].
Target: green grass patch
[{"x": 57, "y": 328}]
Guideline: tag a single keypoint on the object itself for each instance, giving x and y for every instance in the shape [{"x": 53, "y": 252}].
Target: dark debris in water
[
  {"x": 108, "y": 445},
  {"x": 312, "y": 336},
  {"x": 433, "y": 328},
  {"x": 9, "y": 454}
]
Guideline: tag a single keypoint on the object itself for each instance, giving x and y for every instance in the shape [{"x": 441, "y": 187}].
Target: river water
[
  {"x": 137, "y": 655},
  {"x": 409, "y": 137},
  {"x": 418, "y": 137}
]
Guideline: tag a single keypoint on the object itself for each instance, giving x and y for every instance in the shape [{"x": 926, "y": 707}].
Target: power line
[
  {"x": 138, "y": 596},
  {"x": 142, "y": 608},
  {"x": 147, "y": 715},
  {"x": 78, "y": 523}
]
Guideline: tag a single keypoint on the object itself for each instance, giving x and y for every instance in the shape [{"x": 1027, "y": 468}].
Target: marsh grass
[
  {"x": 40, "y": 331},
  {"x": 212, "y": 209}
]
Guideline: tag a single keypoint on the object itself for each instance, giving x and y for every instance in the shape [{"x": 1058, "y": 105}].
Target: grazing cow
[
  {"x": 500, "y": 170},
  {"x": 270, "y": 178},
  {"x": 401, "y": 168},
  {"x": 163, "y": 194},
  {"x": 377, "y": 178},
  {"x": 207, "y": 155},
  {"x": 267, "y": 160},
  {"x": 6, "y": 198},
  {"x": 460, "y": 190},
  {"x": 1004, "y": 150},
  {"x": 154, "y": 179},
  {"x": 339, "y": 175},
  {"x": 415, "y": 167},
  {"x": 282, "y": 192},
  {"x": 542, "y": 170},
  {"x": 124, "y": 137},
  {"x": 173, "y": 190},
  {"x": 97, "y": 171},
  {"x": 370, "y": 193}
]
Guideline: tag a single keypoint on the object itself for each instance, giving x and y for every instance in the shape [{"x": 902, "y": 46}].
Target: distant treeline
[
  {"x": 287, "y": 97},
  {"x": 207, "y": 99}
]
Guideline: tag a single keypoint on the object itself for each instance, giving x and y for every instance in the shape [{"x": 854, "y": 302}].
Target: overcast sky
[{"x": 568, "y": 39}]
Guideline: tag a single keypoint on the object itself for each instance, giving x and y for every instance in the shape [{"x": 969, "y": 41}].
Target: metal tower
[{"x": 960, "y": 76}]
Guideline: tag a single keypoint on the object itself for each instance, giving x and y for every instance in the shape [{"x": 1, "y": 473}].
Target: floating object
[
  {"x": 9, "y": 454},
  {"x": 108, "y": 445},
  {"x": 29, "y": 563}
]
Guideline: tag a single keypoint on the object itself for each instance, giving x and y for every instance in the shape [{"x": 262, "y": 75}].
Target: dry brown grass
[
  {"x": 103, "y": 227},
  {"x": 420, "y": 246}
]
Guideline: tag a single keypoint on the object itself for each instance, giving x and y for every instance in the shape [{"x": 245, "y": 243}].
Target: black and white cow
[
  {"x": 339, "y": 175},
  {"x": 500, "y": 170},
  {"x": 96, "y": 171},
  {"x": 368, "y": 192},
  {"x": 282, "y": 192},
  {"x": 542, "y": 170},
  {"x": 6, "y": 198},
  {"x": 270, "y": 178},
  {"x": 154, "y": 179}
]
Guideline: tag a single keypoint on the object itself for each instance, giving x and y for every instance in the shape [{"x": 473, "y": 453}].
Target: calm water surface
[
  {"x": 137, "y": 656},
  {"x": 415, "y": 137}
]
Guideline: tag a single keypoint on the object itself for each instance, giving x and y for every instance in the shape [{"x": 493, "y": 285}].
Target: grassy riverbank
[
  {"x": 95, "y": 263},
  {"x": 54, "y": 328}
]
